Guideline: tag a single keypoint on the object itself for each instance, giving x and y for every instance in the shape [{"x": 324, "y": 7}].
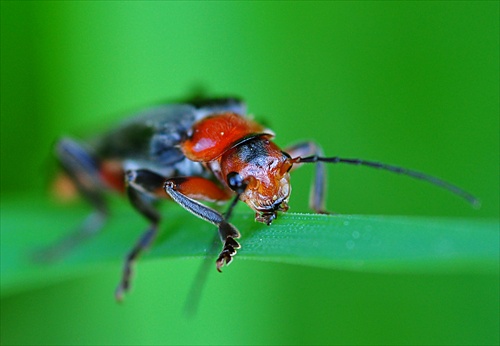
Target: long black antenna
[{"x": 475, "y": 202}]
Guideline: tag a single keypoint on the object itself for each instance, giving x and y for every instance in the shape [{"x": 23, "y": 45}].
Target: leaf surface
[{"x": 342, "y": 242}]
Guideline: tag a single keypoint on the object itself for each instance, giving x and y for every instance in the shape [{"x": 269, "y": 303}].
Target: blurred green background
[{"x": 410, "y": 83}]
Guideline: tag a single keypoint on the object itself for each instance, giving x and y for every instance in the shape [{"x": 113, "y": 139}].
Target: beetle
[{"x": 207, "y": 150}]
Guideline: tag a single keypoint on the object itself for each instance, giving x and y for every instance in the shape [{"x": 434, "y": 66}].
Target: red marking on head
[{"x": 264, "y": 168}]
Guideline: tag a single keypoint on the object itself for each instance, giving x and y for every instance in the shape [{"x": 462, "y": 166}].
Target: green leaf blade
[
  {"x": 378, "y": 243},
  {"x": 342, "y": 242}
]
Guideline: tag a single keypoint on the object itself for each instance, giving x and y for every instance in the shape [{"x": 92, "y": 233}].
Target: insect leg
[
  {"x": 178, "y": 190},
  {"x": 82, "y": 168},
  {"x": 141, "y": 187},
  {"x": 317, "y": 197}
]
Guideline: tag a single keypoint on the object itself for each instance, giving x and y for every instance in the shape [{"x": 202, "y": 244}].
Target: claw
[
  {"x": 123, "y": 287},
  {"x": 120, "y": 293},
  {"x": 223, "y": 257},
  {"x": 227, "y": 253}
]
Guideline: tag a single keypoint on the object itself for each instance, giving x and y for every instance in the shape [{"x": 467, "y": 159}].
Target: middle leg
[{"x": 141, "y": 187}]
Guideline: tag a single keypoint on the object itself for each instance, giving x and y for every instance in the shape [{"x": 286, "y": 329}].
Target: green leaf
[{"x": 343, "y": 242}]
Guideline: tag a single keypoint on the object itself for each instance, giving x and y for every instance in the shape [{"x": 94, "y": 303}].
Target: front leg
[{"x": 180, "y": 188}]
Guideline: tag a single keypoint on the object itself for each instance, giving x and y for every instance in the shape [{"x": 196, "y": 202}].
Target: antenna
[{"x": 475, "y": 202}]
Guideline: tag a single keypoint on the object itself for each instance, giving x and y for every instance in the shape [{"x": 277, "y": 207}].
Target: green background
[{"x": 410, "y": 83}]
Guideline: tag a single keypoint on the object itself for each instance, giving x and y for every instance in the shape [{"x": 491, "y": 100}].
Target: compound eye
[{"x": 236, "y": 182}]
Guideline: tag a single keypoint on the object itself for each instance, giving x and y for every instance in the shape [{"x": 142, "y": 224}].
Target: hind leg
[{"x": 82, "y": 168}]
